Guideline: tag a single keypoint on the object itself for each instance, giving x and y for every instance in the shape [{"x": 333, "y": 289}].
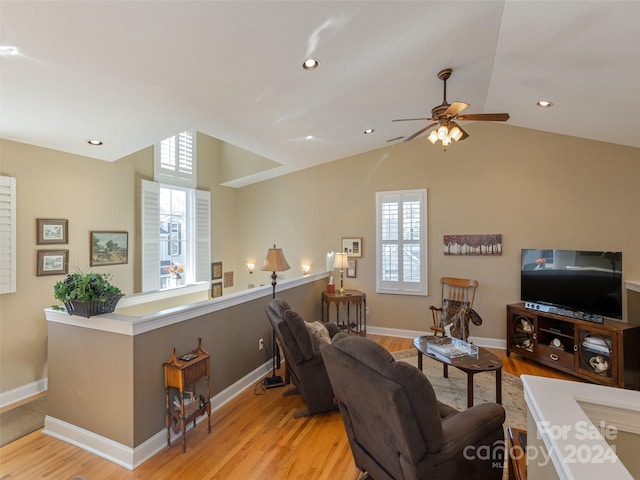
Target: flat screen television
[{"x": 584, "y": 281}]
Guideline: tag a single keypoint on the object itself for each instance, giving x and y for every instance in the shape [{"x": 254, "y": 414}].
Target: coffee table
[{"x": 484, "y": 361}]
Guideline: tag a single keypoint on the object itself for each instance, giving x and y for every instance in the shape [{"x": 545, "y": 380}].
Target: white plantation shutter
[
  {"x": 401, "y": 243},
  {"x": 7, "y": 235},
  {"x": 203, "y": 236},
  {"x": 175, "y": 160},
  {"x": 150, "y": 235}
]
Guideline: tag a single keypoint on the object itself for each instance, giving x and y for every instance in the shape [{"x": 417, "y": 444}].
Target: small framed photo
[
  {"x": 351, "y": 269},
  {"x": 53, "y": 262},
  {"x": 50, "y": 231},
  {"x": 216, "y": 289},
  {"x": 109, "y": 248},
  {"x": 216, "y": 270},
  {"x": 352, "y": 247}
]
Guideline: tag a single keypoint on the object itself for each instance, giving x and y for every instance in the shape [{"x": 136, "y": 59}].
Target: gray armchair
[
  {"x": 397, "y": 429},
  {"x": 304, "y": 363}
]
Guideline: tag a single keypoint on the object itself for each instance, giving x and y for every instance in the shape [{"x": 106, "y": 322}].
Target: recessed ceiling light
[
  {"x": 8, "y": 50},
  {"x": 94, "y": 142},
  {"x": 368, "y": 131},
  {"x": 544, "y": 104},
  {"x": 310, "y": 64}
]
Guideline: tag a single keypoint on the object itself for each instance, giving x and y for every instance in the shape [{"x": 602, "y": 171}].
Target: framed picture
[
  {"x": 351, "y": 269},
  {"x": 216, "y": 270},
  {"x": 50, "y": 231},
  {"x": 352, "y": 247},
  {"x": 228, "y": 279},
  {"x": 53, "y": 262},
  {"x": 216, "y": 289},
  {"x": 109, "y": 248},
  {"x": 485, "y": 244}
]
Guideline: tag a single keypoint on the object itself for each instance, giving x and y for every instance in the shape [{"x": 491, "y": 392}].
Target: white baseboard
[
  {"x": 395, "y": 332},
  {"x": 23, "y": 392},
  {"x": 131, "y": 458},
  {"x": 499, "y": 343}
]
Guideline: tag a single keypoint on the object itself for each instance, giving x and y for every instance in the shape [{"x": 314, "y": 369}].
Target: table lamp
[{"x": 341, "y": 261}]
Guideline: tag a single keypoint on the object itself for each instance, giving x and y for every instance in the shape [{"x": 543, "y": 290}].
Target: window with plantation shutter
[
  {"x": 401, "y": 243},
  {"x": 7, "y": 235},
  {"x": 176, "y": 223},
  {"x": 175, "y": 160}
]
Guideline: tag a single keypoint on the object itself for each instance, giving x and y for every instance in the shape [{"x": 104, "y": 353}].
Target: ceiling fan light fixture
[
  {"x": 455, "y": 133},
  {"x": 443, "y": 132},
  {"x": 433, "y": 136}
]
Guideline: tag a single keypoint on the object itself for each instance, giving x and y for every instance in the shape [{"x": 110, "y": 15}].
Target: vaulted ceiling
[{"x": 131, "y": 73}]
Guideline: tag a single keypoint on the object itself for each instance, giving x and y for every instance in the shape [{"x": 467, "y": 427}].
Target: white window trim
[{"x": 399, "y": 287}]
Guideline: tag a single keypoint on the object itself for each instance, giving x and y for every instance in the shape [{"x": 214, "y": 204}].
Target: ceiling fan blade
[
  {"x": 409, "y": 119},
  {"x": 419, "y": 132},
  {"x": 455, "y": 108},
  {"x": 486, "y": 117},
  {"x": 464, "y": 133}
]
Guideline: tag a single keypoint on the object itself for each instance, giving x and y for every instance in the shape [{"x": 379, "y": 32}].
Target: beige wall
[
  {"x": 538, "y": 190},
  {"x": 121, "y": 377}
]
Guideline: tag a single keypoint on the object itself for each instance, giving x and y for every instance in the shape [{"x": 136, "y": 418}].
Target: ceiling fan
[{"x": 447, "y": 116}]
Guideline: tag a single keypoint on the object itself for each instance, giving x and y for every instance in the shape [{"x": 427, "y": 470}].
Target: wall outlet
[{"x": 261, "y": 344}]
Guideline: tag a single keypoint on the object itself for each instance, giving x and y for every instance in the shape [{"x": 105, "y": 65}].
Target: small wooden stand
[
  {"x": 517, "y": 454},
  {"x": 183, "y": 375}
]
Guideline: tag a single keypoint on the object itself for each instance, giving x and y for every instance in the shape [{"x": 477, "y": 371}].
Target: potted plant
[{"x": 87, "y": 294}]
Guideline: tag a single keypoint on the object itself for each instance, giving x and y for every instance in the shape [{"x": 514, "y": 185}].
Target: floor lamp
[{"x": 275, "y": 262}]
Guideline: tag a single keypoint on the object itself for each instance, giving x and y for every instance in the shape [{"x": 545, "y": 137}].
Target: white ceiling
[{"x": 133, "y": 73}]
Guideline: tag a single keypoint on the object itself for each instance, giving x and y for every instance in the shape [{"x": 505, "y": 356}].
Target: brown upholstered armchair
[
  {"x": 396, "y": 427},
  {"x": 304, "y": 363}
]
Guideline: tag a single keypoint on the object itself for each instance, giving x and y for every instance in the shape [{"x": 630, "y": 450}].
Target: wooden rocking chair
[{"x": 457, "y": 294}]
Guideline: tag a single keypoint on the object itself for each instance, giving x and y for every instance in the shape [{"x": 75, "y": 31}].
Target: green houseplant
[{"x": 87, "y": 294}]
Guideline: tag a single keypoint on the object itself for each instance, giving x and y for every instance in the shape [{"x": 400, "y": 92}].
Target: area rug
[
  {"x": 453, "y": 390},
  {"x": 22, "y": 420}
]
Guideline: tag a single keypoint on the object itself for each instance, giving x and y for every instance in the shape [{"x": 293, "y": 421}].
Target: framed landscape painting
[
  {"x": 53, "y": 262},
  {"x": 109, "y": 248},
  {"x": 50, "y": 231}
]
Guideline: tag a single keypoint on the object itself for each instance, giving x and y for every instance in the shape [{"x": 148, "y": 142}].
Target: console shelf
[{"x": 604, "y": 353}]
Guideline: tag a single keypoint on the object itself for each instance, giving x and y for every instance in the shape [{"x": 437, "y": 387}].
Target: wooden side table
[
  {"x": 358, "y": 298},
  {"x": 183, "y": 373}
]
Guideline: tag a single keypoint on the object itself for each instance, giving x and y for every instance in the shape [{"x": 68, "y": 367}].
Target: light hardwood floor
[{"x": 253, "y": 437}]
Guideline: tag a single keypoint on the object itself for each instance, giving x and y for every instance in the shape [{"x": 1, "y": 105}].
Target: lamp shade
[
  {"x": 275, "y": 261},
  {"x": 341, "y": 260}
]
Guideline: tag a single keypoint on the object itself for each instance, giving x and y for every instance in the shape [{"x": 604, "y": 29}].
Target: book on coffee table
[{"x": 451, "y": 347}]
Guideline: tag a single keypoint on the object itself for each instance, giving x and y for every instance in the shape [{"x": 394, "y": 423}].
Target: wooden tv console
[{"x": 606, "y": 353}]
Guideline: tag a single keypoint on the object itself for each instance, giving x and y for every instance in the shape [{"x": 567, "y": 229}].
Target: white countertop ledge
[
  {"x": 135, "y": 325},
  {"x": 562, "y": 406}
]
